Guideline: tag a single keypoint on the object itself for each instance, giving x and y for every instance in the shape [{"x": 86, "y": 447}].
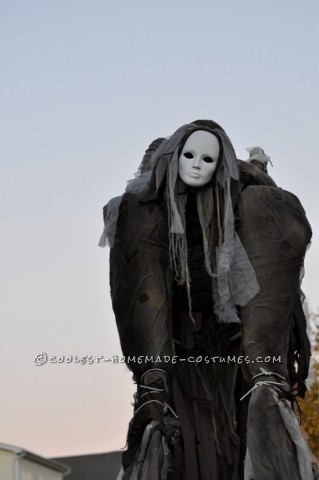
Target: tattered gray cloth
[{"x": 181, "y": 279}]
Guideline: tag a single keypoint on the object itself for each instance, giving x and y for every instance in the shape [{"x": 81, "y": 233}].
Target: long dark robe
[
  {"x": 153, "y": 320},
  {"x": 152, "y": 315},
  {"x": 206, "y": 389}
]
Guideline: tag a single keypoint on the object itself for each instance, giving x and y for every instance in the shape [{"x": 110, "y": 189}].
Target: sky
[{"x": 85, "y": 86}]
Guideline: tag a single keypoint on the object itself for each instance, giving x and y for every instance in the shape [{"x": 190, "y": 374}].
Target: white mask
[{"x": 198, "y": 159}]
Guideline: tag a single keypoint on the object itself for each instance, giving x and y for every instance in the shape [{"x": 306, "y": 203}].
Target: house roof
[{"x": 101, "y": 466}]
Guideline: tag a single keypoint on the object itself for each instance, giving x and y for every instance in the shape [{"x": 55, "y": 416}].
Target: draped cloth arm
[
  {"x": 139, "y": 279},
  {"x": 140, "y": 290},
  {"x": 275, "y": 233}
]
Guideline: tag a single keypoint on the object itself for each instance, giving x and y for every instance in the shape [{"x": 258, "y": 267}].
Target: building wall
[
  {"x": 32, "y": 471},
  {"x": 6, "y": 465}
]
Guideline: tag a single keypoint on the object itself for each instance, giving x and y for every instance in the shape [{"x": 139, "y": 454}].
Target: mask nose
[{"x": 196, "y": 163}]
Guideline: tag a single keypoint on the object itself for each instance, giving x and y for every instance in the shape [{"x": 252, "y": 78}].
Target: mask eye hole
[
  {"x": 208, "y": 159},
  {"x": 188, "y": 155}
]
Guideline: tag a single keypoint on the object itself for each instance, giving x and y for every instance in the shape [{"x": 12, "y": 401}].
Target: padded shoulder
[{"x": 252, "y": 175}]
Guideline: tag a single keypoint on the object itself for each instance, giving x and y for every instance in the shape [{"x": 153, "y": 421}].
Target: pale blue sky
[{"x": 85, "y": 87}]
